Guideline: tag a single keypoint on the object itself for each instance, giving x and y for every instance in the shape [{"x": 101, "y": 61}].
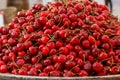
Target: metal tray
[{"x": 19, "y": 77}]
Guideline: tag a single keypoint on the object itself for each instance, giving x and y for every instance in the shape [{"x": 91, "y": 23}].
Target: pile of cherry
[{"x": 72, "y": 38}]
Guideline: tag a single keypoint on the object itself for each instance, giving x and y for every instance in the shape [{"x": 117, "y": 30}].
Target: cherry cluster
[{"x": 68, "y": 39}]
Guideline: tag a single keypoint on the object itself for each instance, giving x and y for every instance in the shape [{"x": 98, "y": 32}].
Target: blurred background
[{"x": 9, "y": 8}]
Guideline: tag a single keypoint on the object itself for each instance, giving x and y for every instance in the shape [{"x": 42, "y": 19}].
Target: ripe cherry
[
  {"x": 45, "y": 51},
  {"x": 83, "y": 73},
  {"x": 97, "y": 66}
]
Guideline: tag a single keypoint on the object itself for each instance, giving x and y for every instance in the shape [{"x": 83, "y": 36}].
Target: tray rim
[{"x": 56, "y": 78}]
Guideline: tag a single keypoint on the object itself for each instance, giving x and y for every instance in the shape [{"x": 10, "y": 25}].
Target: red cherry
[
  {"x": 103, "y": 56},
  {"x": 44, "y": 39},
  {"x": 3, "y": 68},
  {"x": 20, "y": 62},
  {"x": 114, "y": 70},
  {"x": 83, "y": 73},
  {"x": 45, "y": 51},
  {"x": 75, "y": 40},
  {"x": 86, "y": 44},
  {"x": 62, "y": 58},
  {"x": 78, "y": 6},
  {"x": 68, "y": 74},
  {"x": 63, "y": 50},
  {"x": 97, "y": 67},
  {"x": 32, "y": 50},
  {"x": 105, "y": 38},
  {"x": 73, "y": 17}
]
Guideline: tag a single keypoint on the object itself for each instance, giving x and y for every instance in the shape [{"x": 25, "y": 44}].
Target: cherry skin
[
  {"x": 45, "y": 51},
  {"x": 86, "y": 44},
  {"x": 83, "y": 73},
  {"x": 103, "y": 56},
  {"x": 105, "y": 38},
  {"x": 20, "y": 62},
  {"x": 32, "y": 50},
  {"x": 62, "y": 58},
  {"x": 97, "y": 67}
]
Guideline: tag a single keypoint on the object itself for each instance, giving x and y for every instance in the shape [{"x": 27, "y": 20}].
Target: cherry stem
[
  {"x": 73, "y": 67},
  {"x": 7, "y": 46},
  {"x": 106, "y": 59},
  {"x": 58, "y": 66}
]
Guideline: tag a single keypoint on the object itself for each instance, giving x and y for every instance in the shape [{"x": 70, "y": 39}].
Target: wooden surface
[
  {"x": 18, "y": 77},
  {"x": 19, "y": 4}
]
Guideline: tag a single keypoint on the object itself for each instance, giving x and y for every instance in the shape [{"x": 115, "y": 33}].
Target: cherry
[
  {"x": 48, "y": 69},
  {"x": 21, "y": 14},
  {"x": 80, "y": 62},
  {"x": 114, "y": 70},
  {"x": 66, "y": 22},
  {"x": 105, "y": 38},
  {"x": 11, "y": 41},
  {"x": 20, "y": 46},
  {"x": 91, "y": 39},
  {"x": 52, "y": 52},
  {"x": 27, "y": 58},
  {"x": 80, "y": 23},
  {"x": 102, "y": 73},
  {"x": 21, "y": 54},
  {"x": 58, "y": 66},
  {"x": 55, "y": 58},
  {"x": 62, "y": 58},
  {"x": 32, "y": 50},
  {"x": 21, "y": 20},
  {"x": 29, "y": 29},
  {"x": 4, "y": 37},
  {"x": 59, "y": 44},
  {"x": 3, "y": 68},
  {"x": 27, "y": 44},
  {"x": 44, "y": 39},
  {"x": 12, "y": 56},
  {"x": 68, "y": 74},
  {"x": 70, "y": 64},
  {"x": 48, "y": 31},
  {"x": 83, "y": 73},
  {"x": 95, "y": 27},
  {"x": 63, "y": 50},
  {"x": 73, "y": 17},
  {"x": 75, "y": 40},
  {"x": 4, "y": 30},
  {"x": 111, "y": 53},
  {"x": 51, "y": 45},
  {"x": 106, "y": 46},
  {"x": 47, "y": 62},
  {"x": 70, "y": 47},
  {"x": 76, "y": 70},
  {"x": 55, "y": 73},
  {"x": 32, "y": 73},
  {"x": 5, "y": 58},
  {"x": 86, "y": 44},
  {"x": 87, "y": 66},
  {"x": 45, "y": 51},
  {"x": 38, "y": 66},
  {"x": 91, "y": 58},
  {"x": 55, "y": 28},
  {"x": 34, "y": 60},
  {"x": 20, "y": 62},
  {"x": 78, "y": 6},
  {"x": 22, "y": 72},
  {"x": 103, "y": 56},
  {"x": 77, "y": 48},
  {"x": 43, "y": 74},
  {"x": 97, "y": 66},
  {"x": 14, "y": 71}
]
